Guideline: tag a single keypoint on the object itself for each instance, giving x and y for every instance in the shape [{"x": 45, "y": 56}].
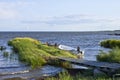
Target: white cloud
[
  {"x": 8, "y": 14},
  {"x": 10, "y": 10},
  {"x": 72, "y": 19},
  {"x": 77, "y": 22}
]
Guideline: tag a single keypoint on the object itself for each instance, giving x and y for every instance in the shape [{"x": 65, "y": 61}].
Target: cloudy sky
[{"x": 59, "y": 15}]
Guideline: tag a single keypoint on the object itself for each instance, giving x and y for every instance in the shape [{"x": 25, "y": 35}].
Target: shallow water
[
  {"x": 28, "y": 73},
  {"x": 88, "y": 42}
]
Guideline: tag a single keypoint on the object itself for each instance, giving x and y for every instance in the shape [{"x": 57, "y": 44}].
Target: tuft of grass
[
  {"x": 34, "y": 53},
  {"x": 57, "y": 62},
  {"x": 110, "y": 43},
  {"x": 67, "y": 76},
  {"x": 111, "y": 56},
  {"x": 2, "y": 48},
  {"x": 5, "y": 54}
]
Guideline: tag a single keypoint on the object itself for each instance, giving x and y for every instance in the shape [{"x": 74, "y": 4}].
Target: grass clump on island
[
  {"x": 110, "y": 43},
  {"x": 34, "y": 53},
  {"x": 113, "y": 55}
]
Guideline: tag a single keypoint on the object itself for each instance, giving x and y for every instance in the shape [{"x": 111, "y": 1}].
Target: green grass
[
  {"x": 5, "y": 54},
  {"x": 34, "y": 53},
  {"x": 111, "y": 56},
  {"x": 67, "y": 76},
  {"x": 110, "y": 43}
]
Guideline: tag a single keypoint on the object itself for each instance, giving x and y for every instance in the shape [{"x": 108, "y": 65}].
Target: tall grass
[
  {"x": 110, "y": 43},
  {"x": 67, "y": 76},
  {"x": 34, "y": 53},
  {"x": 111, "y": 56}
]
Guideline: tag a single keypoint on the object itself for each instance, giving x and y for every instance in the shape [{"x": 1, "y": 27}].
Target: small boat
[
  {"x": 64, "y": 47},
  {"x": 73, "y": 50}
]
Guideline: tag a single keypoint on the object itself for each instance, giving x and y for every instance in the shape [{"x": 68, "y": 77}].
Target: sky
[{"x": 59, "y": 15}]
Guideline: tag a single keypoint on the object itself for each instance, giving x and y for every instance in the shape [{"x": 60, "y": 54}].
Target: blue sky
[{"x": 59, "y": 15}]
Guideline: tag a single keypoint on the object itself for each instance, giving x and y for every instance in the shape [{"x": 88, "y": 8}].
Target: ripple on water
[
  {"x": 28, "y": 73},
  {"x": 11, "y": 67}
]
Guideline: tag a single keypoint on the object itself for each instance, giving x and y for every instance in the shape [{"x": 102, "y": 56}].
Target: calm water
[{"x": 88, "y": 41}]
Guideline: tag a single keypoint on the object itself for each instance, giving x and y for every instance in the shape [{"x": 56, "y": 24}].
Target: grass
[
  {"x": 67, "y": 76},
  {"x": 2, "y": 48},
  {"x": 34, "y": 53},
  {"x": 111, "y": 56},
  {"x": 110, "y": 43},
  {"x": 57, "y": 62},
  {"x": 5, "y": 54}
]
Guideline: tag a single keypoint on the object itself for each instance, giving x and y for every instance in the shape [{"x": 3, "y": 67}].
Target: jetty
[{"x": 110, "y": 69}]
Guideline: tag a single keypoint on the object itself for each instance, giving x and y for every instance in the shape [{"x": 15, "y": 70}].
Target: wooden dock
[{"x": 109, "y": 68}]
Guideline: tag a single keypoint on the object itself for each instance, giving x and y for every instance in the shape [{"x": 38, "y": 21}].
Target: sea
[{"x": 89, "y": 42}]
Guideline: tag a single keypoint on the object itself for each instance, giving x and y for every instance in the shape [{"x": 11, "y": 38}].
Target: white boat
[
  {"x": 64, "y": 47},
  {"x": 73, "y": 50}
]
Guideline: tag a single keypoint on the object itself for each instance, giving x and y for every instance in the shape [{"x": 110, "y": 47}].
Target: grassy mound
[
  {"x": 111, "y": 56},
  {"x": 34, "y": 52},
  {"x": 110, "y": 43}
]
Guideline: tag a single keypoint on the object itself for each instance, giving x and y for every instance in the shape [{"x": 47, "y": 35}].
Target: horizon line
[{"x": 62, "y": 31}]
